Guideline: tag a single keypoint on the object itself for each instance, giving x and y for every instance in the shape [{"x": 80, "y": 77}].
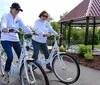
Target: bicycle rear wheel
[
  {"x": 66, "y": 68},
  {"x": 38, "y": 72}
]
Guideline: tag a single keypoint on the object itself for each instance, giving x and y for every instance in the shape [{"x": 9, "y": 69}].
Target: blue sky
[{"x": 32, "y": 8}]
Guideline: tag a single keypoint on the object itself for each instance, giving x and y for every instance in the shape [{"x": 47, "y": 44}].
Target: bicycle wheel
[
  {"x": 66, "y": 68},
  {"x": 38, "y": 72},
  {"x": 3, "y": 59}
]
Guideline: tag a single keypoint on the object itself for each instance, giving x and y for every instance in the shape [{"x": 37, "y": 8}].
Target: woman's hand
[{"x": 5, "y": 30}]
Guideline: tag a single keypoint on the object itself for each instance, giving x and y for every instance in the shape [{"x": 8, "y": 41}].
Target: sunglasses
[{"x": 45, "y": 16}]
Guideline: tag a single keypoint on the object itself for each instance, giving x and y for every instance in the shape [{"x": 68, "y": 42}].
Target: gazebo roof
[{"x": 87, "y": 8}]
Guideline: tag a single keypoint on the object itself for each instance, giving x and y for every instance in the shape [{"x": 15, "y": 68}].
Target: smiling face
[{"x": 44, "y": 16}]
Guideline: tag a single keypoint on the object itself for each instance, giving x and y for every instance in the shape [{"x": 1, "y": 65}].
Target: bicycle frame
[
  {"x": 23, "y": 60},
  {"x": 54, "y": 52}
]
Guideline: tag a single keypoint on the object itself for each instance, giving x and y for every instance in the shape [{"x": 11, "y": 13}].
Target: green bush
[
  {"x": 61, "y": 48},
  {"x": 83, "y": 49},
  {"x": 95, "y": 39},
  {"x": 88, "y": 56}
]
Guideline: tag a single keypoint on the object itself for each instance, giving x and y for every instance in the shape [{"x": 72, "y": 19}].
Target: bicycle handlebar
[
  {"x": 57, "y": 35},
  {"x": 22, "y": 33},
  {"x": 33, "y": 33}
]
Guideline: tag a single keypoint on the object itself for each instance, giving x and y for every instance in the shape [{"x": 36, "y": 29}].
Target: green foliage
[
  {"x": 49, "y": 19},
  {"x": 55, "y": 26},
  {"x": 81, "y": 34},
  {"x": 61, "y": 48},
  {"x": 75, "y": 34},
  {"x": 98, "y": 34},
  {"x": 95, "y": 40},
  {"x": 88, "y": 56},
  {"x": 28, "y": 36},
  {"x": 65, "y": 32},
  {"x": 64, "y": 14},
  {"x": 84, "y": 49},
  {"x": 97, "y": 46},
  {"x": 90, "y": 37},
  {"x": 20, "y": 36}
]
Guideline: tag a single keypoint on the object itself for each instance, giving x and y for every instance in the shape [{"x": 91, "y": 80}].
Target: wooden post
[
  {"x": 61, "y": 33},
  {"x": 69, "y": 32},
  {"x": 93, "y": 33}
]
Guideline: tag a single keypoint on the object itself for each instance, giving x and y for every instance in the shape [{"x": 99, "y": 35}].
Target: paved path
[{"x": 88, "y": 77}]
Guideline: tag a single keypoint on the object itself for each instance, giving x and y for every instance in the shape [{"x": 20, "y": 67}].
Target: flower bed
[{"x": 94, "y": 64}]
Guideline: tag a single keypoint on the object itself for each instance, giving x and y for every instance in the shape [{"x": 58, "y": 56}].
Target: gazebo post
[
  {"x": 93, "y": 33},
  {"x": 60, "y": 42},
  {"x": 86, "y": 32},
  {"x": 69, "y": 32}
]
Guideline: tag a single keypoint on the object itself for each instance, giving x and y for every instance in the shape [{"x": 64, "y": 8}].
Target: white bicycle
[
  {"x": 30, "y": 72},
  {"x": 64, "y": 65}
]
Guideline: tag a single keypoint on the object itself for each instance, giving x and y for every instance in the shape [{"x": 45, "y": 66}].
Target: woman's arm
[
  {"x": 51, "y": 30},
  {"x": 25, "y": 28},
  {"x": 4, "y": 23}
]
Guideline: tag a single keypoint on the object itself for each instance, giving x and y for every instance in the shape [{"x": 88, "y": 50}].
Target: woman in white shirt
[
  {"x": 9, "y": 40},
  {"x": 43, "y": 28}
]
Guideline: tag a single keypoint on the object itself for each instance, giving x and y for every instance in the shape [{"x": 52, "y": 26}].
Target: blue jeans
[
  {"x": 44, "y": 48},
  {"x": 7, "y": 46}
]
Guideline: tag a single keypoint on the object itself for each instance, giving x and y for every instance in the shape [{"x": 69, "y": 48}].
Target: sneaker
[
  {"x": 49, "y": 68},
  {"x": 5, "y": 79}
]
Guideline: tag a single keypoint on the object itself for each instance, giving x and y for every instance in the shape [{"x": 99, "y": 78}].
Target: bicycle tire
[
  {"x": 38, "y": 67},
  {"x": 69, "y": 60},
  {"x": 2, "y": 62}
]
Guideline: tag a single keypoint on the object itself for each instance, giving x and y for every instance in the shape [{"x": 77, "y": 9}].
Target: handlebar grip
[
  {"x": 44, "y": 36},
  {"x": 11, "y": 30}
]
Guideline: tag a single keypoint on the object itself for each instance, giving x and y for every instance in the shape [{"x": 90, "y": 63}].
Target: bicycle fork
[
  {"x": 61, "y": 62},
  {"x": 26, "y": 72}
]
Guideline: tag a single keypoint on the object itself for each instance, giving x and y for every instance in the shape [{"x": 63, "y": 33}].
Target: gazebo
[{"x": 86, "y": 14}]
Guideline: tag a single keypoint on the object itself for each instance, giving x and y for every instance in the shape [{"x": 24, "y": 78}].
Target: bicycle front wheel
[
  {"x": 40, "y": 77},
  {"x": 66, "y": 68},
  {"x": 3, "y": 58}
]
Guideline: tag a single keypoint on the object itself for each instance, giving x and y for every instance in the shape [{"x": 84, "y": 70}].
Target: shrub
[
  {"x": 88, "y": 56},
  {"x": 61, "y": 48},
  {"x": 83, "y": 49},
  {"x": 95, "y": 40}
]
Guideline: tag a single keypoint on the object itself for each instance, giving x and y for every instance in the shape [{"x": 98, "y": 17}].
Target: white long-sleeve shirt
[
  {"x": 7, "y": 21},
  {"x": 42, "y": 27}
]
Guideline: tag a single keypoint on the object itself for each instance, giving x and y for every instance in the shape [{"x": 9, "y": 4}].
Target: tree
[
  {"x": 64, "y": 14},
  {"x": 75, "y": 33},
  {"x": 49, "y": 19},
  {"x": 90, "y": 36},
  {"x": 55, "y": 26}
]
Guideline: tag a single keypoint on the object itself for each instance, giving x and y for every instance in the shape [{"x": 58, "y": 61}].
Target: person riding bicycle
[
  {"x": 43, "y": 28},
  {"x": 9, "y": 40}
]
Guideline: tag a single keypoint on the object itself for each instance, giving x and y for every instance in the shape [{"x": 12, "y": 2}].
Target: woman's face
[
  {"x": 44, "y": 16},
  {"x": 14, "y": 12}
]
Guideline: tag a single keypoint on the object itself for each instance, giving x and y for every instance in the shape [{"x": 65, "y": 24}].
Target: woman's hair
[{"x": 43, "y": 12}]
